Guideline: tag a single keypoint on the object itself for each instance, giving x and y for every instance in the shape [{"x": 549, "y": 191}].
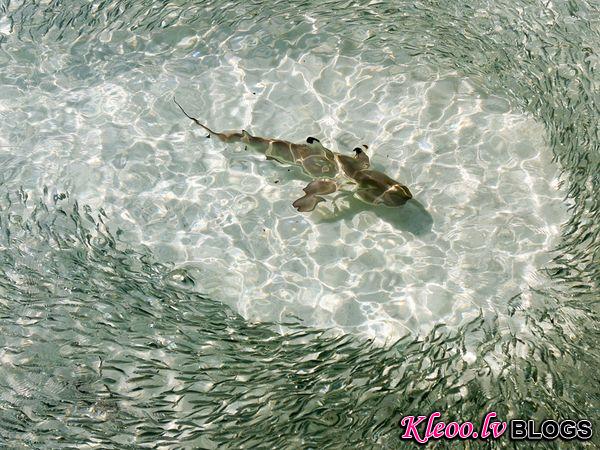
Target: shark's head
[{"x": 396, "y": 195}]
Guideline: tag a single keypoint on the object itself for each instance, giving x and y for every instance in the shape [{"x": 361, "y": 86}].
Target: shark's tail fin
[{"x": 194, "y": 119}]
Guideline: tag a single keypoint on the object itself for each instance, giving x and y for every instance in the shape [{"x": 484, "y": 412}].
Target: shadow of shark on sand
[{"x": 411, "y": 217}]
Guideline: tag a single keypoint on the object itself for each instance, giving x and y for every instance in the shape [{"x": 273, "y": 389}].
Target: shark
[{"x": 330, "y": 170}]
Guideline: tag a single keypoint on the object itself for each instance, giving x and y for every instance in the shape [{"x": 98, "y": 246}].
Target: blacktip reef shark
[{"x": 330, "y": 169}]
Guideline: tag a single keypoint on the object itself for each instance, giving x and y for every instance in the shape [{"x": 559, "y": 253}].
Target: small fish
[{"x": 329, "y": 168}]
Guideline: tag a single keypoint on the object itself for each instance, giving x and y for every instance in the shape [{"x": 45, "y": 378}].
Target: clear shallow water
[
  {"x": 118, "y": 141},
  {"x": 469, "y": 114}
]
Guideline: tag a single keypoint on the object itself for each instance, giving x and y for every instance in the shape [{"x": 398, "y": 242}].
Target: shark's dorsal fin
[
  {"x": 308, "y": 202},
  {"x": 315, "y": 145},
  {"x": 313, "y": 142},
  {"x": 362, "y": 156}
]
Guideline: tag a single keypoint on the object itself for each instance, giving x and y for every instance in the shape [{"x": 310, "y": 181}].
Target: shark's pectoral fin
[
  {"x": 322, "y": 186},
  {"x": 307, "y": 202},
  {"x": 314, "y": 190}
]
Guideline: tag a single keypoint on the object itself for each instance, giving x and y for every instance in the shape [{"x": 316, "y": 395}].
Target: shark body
[{"x": 326, "y": 166}]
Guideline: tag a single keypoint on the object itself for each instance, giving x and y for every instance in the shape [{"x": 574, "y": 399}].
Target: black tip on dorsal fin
[
  {"x": 357, "y": 150},
  {"x": 312, "y": 140}
]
